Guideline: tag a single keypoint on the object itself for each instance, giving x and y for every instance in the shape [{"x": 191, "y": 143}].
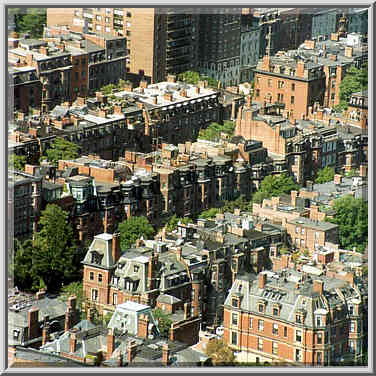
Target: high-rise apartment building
[
  {"x": 159, "y": 40},
  {"x": 219, "y": 41}
]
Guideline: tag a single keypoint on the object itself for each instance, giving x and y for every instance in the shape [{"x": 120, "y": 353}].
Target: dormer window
[
  {"x": 136, "y": 268},
  {"x": 276, "y": 310},
  {"x": 96, "y": 258},
  {"x": 261, "y": 307},
  {"x": 235, "y": 302},
  {"x": 299, "y": 318}
]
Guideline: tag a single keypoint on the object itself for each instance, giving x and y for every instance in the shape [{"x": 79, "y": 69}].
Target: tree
[
  {"x": 76, "y": 289},
  {"x": 24, "y": 279},
  {"x": 352, "y": 218},
  {"x": 193, "y": 78},
  {"x": 239, "y": 203},
  {"x": 274, "y": 185},
  {"x": 210, "y": 213},
  {"x": 17, "y": 162},
  {"x": 164, "y": 322},
  {"x": 214, "y": 131},
  {"x": 61, "y": 149},
  {"x": 259, "y": 196},
  {"x": 172, "y": 224},
  {"x": 355, "y": 80},
  {"x": 220, "y": 353},
  {"x": 54, "y": 249},
  {"x": 31, "y": 21},
  {"x": 108, "y": 89},
  {"x": 132, "y": 229},
  {"x": 324, "y": 175}
]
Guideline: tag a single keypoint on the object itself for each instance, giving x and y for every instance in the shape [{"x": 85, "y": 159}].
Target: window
[
  {"x": 275, "y": 311},
  {"x": 280, "y": 97},
  {"x": 318, "y": 321},
  {"x": 333, "y": 84},
  {"x": 297, "y": 242},
  {"x": 114, "y": 299},
  {"x": 351, "y": 309},
  {"x": 292, "y": 87},
  {"x": 319, "y": 338},
  {"x": 298, "y": 355},
  {"x": 250, "y": 323},
  {"x": 100, "y": 278},
  {"x": 261, "y": 325},
  {"x": 352, "y": 347},
  {"x": 298, "y": 319},
  {"x": 99, "y": 18},
  {"x": 129, "y": 14},
  {"x": 352, "y": 326},
  {"x": 235, "y": 303},
  {"x": 91, "y": 276},
  {"x": 298, "y": 336},
  {"x": 317, "y": 234},
  {"x": 292, "y": 99},
  {"x": 275, "y": 329},
  {"x": 297, "y": 230},
  {"x": 302, "y": 231},
  {"x": 234, "y": 338},
  {"x": 136, "y": 268},
  {"x": 128, "y": 33},
  {"x": 269, "y": 82},
  {"x": 257, "y": 92},
  {"x": 275, "y": 348},
  {"x": 285, "y": 331},
  {"x": 261, "y": 308},
  {"x": 281, "y": 84},
  {"x": 319, "y": 358},
  {"x": 234, "y": 319},
  {"x": 94, "y": 295},
  {"x": 260, "y": 344}
]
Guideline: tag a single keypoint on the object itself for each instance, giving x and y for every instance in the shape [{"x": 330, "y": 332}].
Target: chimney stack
[
  {"x": 261, "y": 280},
  {"x": 348, "y": 51},
  {"x": 115, "y": 247},
  {"x": 363, "y": 170},
  {"x": 171, "y": 78},
  {"x": 41, "y": 293},
  {"x": 143, "y": 84},
  {"x": 294, "y": 195},
  {"x": 32, "y": 322},
  {"x": 132, "y": 347},
  {"x": 72, "y": 342},
  {"x": 45, "y": 333},
  {"x": 318, "y": 286},
  {"x": 110, "y": 342},
  {"x": 187, "y": 310},
  {"x": 337, "y": 179},
  {"x": 143, "y": 326},
  {"x": 165, "y": 354}
]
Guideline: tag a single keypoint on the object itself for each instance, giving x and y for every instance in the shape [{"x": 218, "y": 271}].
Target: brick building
[
  {"x": 310, "y": 234},
  {"x": 295, "y": 318},
  {"x": 24, "y": 203},
  {"x": 293, "y": 85},
  {"x": 159, "y": 40},
  {"x": 357, "y": 110}
]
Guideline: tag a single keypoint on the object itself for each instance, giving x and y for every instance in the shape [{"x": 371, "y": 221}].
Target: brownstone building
[
  {"x": 293, "y": 85},
  {"x": 294, "y": 317},
  {"x": 357, "y": 110}
]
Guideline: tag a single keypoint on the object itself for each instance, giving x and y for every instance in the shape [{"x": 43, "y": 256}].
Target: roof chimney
[
  {"x": 262, "y": 280},
  {"x": 165, "y": 354},
  {"x": 72, "y": 342},
  {"x": 337, "y": 179},
  {"x": 115, "y": 247},
  {"x": 110, "y": 342},
  {"x": 187, "y": 310},
  {"x": 132, "y": 347},
  {"x": 318, "y": 286}
]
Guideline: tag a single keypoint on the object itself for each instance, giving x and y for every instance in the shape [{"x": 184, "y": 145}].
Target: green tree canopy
[
  {"x": 172, "y": 224},
  {"x": 210, "y": 213},
  {"x": 164, "y": 322},
  {"x": 61, "y": 149},
  {"x": 220, "y": 353},
  {"x": 352, "y": 218},
  {"x": 274, "y": 185},
  {"x": 192, "y": 77},
  {"x": 239, "y": 203},
  {"x": 29, "y": 20},
  {"x": 54, "y": 250},
  {"x": 132, "y": 229},
  {"x": 214, "y": 130},
  {"x": 17, "y": 162},
  {"x": 325, "y": 175},
  {"x": 76, "y": 289},
  {"x": 22, "y": 264},
  {"x": 355, "y": 80}
]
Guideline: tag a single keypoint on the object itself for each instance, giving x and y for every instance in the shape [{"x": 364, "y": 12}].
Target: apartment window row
[{"x": 91, "y": 277}]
